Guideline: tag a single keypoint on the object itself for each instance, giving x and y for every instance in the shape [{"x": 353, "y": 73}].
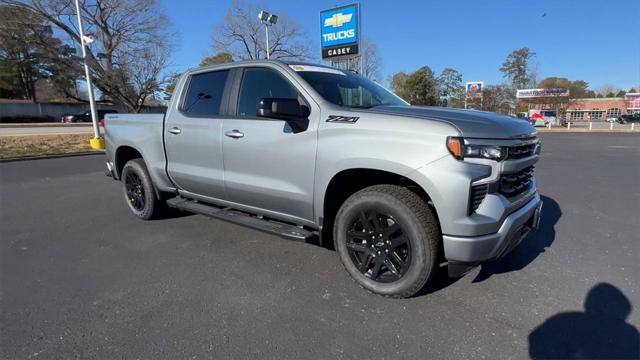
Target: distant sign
[
  {"x": 632, "y": 101},
  {"x": 536, "y": 93},
  {"x": 340, "y": 31},
  {"x": 474, "y": 87}
]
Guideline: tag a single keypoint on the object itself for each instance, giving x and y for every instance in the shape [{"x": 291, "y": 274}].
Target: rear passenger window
[
  {"x": 258, "y": 83},
  {"x": 204, "y": 94}
]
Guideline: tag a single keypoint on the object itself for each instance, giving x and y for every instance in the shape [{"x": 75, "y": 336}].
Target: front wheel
[
  {"x": 387, "y": 238},
  {"x": 139, "y": 192}
]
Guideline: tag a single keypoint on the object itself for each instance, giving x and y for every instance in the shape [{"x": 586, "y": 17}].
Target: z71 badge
[{"x": 343, "y": 119}]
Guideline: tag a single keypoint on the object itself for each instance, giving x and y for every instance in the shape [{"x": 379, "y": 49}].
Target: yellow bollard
[{"x": 96, "y": 143}]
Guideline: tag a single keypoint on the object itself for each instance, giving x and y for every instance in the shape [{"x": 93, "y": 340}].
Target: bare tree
[
  {"x": 499, "y": 98},
  {"x": 607, "y": 90},
  {"x": 131, "y": 48},
  {"x": 242, "y": 35},
  {"x": 372, "y": 64}
]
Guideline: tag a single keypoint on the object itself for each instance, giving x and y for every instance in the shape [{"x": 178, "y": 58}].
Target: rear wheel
[
  {"x": 387, "y": 238},
  {"x": 139, "y": 192}
]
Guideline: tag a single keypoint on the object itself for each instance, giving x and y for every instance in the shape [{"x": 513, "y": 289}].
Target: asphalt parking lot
[{"x": 81, "y": 277}]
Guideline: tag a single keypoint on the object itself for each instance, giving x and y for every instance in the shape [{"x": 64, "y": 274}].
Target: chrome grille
[
  {"x": 477, "y": 194},
  {"x": 515, "y": 184}
]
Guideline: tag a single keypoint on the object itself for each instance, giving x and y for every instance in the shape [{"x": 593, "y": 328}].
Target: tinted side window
[
  {"x": 204, "y": 94},
  {"x": 262, "y": 83}
]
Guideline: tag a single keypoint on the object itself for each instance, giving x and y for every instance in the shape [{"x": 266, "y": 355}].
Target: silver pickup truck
[{"x": 312, "y": 152}]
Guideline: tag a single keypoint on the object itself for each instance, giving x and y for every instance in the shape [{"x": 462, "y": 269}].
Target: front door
[
  {"x": 266, "y": 165},
  {"x": 192, "y": 135}
]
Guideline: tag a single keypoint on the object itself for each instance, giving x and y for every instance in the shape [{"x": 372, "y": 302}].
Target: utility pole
[{"x": 97, "y": 142}]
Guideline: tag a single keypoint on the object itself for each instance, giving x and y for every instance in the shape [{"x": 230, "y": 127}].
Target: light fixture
[{"x": 268, "y": 20}]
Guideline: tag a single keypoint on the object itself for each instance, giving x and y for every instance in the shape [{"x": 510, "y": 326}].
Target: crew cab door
[
  {"x": 267, "y": 165},
  {"x": 192, "y": 132}
]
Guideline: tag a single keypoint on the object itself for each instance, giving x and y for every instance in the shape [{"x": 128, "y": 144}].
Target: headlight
[{"x": 460, "y": 150}]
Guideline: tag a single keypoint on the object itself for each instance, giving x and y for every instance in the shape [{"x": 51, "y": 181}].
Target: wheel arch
[
  {"x": 123, "y": 154},
  {"x": 348, "y": 181}
]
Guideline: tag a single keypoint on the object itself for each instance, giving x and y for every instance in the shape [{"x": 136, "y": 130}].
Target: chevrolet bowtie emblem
[{"x": 337, "y": 20}]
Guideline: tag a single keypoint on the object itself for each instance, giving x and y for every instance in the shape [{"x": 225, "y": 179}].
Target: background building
[{"x": 597, "y": 109}]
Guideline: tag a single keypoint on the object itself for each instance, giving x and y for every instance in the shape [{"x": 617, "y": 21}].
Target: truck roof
[{"x": 261, "y": 62}]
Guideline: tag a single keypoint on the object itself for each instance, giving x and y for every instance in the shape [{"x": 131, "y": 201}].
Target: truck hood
[{"x": 471, "y": 123}]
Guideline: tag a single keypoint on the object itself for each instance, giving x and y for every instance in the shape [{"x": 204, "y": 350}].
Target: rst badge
[{"x": 340, "y": 31}]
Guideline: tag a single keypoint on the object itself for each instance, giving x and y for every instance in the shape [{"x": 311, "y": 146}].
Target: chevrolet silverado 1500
[{"x": 309, "y": 151}]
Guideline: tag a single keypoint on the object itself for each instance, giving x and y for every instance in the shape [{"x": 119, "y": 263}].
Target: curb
[{"x": 52, "y": 156}]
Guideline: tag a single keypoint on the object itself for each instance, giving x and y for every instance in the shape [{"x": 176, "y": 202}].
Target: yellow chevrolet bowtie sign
[{"x": 337, "y": 20}]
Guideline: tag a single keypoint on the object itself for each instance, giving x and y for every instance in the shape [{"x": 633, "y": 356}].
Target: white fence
[{"x": 600, "y": 125}]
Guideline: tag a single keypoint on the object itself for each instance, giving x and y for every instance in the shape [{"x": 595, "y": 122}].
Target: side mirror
[
  {"x": 284, "y": 109},
  {"x": 289, "y": 110}
]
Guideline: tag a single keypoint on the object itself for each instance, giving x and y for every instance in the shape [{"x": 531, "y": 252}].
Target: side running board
[{"x": 227, "y": 214}]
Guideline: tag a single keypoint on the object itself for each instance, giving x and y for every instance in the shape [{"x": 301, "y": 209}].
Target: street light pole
[
  {"x": 266, "y": 32},
  {"x": 96, "y": 142},
  {"x": 268, "y": 20}
]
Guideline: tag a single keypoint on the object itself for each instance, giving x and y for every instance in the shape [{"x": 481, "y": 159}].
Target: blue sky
[{"x": 596, "y": 41}]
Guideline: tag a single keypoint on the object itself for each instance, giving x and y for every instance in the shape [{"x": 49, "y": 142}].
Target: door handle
[
  {"x": 236, "y": 134},
  {"x": 175, "y": 130}
]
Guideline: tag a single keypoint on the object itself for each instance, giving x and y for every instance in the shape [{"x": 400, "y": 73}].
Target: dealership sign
[
  {"x": 340, "y": 31},
  {"x": 536, "y": 93}
]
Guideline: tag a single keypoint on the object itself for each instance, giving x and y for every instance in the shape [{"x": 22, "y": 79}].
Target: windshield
[{"x": 348, "y": 89}]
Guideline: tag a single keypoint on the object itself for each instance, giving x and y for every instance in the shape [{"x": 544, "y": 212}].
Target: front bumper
[{"x": 514, "y": 228}]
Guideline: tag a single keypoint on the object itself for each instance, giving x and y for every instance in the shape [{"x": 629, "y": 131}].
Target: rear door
[
  {"x": 192, "y": 134},
  {"x": 268, "y": 166}
]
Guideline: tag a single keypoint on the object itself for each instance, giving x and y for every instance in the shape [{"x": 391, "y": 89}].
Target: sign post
[{"x": 340, "y": 33}]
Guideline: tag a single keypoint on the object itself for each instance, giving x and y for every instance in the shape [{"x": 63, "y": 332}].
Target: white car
[{"x": 539, "y": 122}]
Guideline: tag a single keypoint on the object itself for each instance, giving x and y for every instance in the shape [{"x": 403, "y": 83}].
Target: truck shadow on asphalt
[
  {"x": 172, "y": 213},
  {"x": 530, "y": 248},
  {"x": 600, "y": 332}
]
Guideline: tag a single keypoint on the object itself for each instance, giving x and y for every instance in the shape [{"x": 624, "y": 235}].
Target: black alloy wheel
[
  {"x": 387, "y": 238},
  {"x": 378, "y": 246},
  {"x": 139, "y": 192},
  {"x": 135, "y": 191}
]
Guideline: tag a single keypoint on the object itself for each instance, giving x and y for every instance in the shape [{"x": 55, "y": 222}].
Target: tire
[
  {"x": 139, "y": 192},
  {"x": 395, "y": 255}
]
